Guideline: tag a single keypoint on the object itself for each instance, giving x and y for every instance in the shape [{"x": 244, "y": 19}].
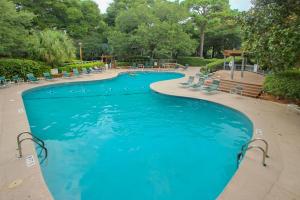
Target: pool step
[{"x": 249, "y": 89}]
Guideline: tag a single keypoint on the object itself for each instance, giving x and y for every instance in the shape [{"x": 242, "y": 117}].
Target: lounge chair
[
  {"x": 189, "y": 82},
  {"x": 134, "y": 66},
  {"x": 31, "y": 78},
  {"x": 76, "y": 72},
  {"x": 3, "y": 82},
  {"x": 48, "y": 76},
  {"x": 185, "y": 67},
  {"x": 213, "y": 87},
  {"x": 84, "y": 71},
  {"x": 199, "y": 84},
  {"x": 97, "y": 69},
  {"x": 66, "y": 74},
  {"x": 17, "y": 79}
]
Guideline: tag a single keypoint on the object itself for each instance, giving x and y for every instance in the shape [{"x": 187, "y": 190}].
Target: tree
[
  {"x": 14, "y": 29},
  {"x": 52, "y": 47},
  {"x": 272, "y": 32},
  {"x": 204, "y": 13}
]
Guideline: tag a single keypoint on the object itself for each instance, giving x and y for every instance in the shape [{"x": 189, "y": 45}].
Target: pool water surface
[{"x": 116, "y": 139}]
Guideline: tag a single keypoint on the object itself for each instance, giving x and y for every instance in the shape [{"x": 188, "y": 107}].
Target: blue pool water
[{"x": 117, "y": 139}]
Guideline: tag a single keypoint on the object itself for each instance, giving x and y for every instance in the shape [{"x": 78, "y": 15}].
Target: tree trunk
[{"x": 202, "y": 28}]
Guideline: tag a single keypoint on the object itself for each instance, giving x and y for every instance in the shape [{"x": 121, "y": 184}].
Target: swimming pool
[{"x": 117, "y": 139}]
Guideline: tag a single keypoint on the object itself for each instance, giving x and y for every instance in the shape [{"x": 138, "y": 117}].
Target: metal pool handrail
[{"x": 33, "y": 138}]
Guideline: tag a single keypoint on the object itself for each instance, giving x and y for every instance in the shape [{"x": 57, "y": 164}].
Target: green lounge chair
[
  {"x": 213, "y": 87},
  {"x": 17, "y": 79},
  {"x": 76, "y": 72},
  {"x": 66, "y": 74},
  {"x": 48, "y": 76},
  {"x": 134, "y": 66},
  {"x": 199, "y": 84},
  {"x": 84, "y": 71},
  {"x": 31, "y": 78},
  {"x": 189, "y": 82},
  {"x": 3, "y": 82}
]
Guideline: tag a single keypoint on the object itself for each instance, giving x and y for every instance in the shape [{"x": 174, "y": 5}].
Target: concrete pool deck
[{"x": 281, "y": 128}]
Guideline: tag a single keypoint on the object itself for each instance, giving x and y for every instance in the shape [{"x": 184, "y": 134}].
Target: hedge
[
  {"x": 195, "y": 61},
  {"x": 79, "y": 66},
  {"x": 123, "y": 64},
  {"x": 284, "y": 84},
  {"x": 10, "y": 67}
]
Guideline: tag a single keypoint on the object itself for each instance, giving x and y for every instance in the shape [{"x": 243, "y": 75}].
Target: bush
[
  {"x": 218, "y": 63},
  {"x": 79, "y": 66},
  {"x": 195, "y": 61},
  {"x": 10, "y": 67},
  {"x": 284, "y": 84}
]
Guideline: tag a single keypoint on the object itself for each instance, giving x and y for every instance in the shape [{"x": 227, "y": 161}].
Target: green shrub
[
  {"x": 79, "y": 66},
  {"x": 195, "y": 61},
  {"x": 284, "y": 84},
  {"x": 10, "y": 67},
  {"x": 219, "y": 63}
]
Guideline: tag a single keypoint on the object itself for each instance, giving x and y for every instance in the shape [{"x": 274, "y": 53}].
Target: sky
[{"x": 241, "y": 5}]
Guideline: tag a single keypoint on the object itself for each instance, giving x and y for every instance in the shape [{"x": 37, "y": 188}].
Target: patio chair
[
  {"x": 97, "y": 69},
  {"x": 3, "y": 82},
  {"x": 189, "y": 82},
  {"x": 134, "y": 66},
  {"x": 31, "y": 78},
  {"x": 76, "y": 72},
  {"x": 84, "y": 71},
  {"x": 199, "y": 84},
  {"x": 17, "y": 79},
  {"x": 185, "y": 67},
  {"x": 212, "y": 88},
  {"x": 48, "y": 76},
  {"x": 66, "y": 74}
]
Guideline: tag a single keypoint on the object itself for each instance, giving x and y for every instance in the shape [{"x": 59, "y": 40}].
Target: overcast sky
[{"x": 236, "y": 4}]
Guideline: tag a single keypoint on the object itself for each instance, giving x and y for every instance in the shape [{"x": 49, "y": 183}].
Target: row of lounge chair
[
  {"x": 204, "y": 82},
  {"x": 148, "y": 65},
  {"x": 48, "y": 76}
]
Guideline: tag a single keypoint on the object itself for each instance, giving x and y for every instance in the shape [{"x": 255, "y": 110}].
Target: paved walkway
[{"x": 279, "y": 180}]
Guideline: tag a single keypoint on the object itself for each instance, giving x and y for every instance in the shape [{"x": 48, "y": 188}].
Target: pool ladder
[
  {"x": 246, "y": 147},
  {"x": 33, "y": 138}
]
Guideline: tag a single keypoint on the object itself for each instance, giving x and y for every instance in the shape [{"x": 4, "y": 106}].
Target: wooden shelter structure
[
  {"x": 108, "y": 59},
  {"x": 234, "y": 53}
]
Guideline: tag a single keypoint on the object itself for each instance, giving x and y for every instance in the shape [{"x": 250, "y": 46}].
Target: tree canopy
[{"x": 272, "y": 32}]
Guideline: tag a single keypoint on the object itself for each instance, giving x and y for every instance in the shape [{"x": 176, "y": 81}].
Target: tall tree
[
  {"x": 14, "y": 29},
  {"x": 204, "y": 13}
]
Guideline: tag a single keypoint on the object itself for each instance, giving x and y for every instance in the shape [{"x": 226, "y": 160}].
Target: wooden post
[
  {"x": 232, "y": 68},
  {"x": 80, "y": 50},
  {"x": 243, "y": 65},
  {"x": 224, "y": 66}
]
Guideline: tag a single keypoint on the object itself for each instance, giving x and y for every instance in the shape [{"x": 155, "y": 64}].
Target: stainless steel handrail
[
  {"x": 33, "y": 138},
  {"x": 264, "y": 153},
  {"x": 258, "y": 139}
]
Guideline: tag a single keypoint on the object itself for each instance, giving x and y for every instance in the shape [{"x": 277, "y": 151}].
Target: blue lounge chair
[
  {"x": 212, "y": 88},
  {"x": 31, "y": 78},
  {"x": 48, "y": 76},
  {"x": 189, "y": 82}
]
